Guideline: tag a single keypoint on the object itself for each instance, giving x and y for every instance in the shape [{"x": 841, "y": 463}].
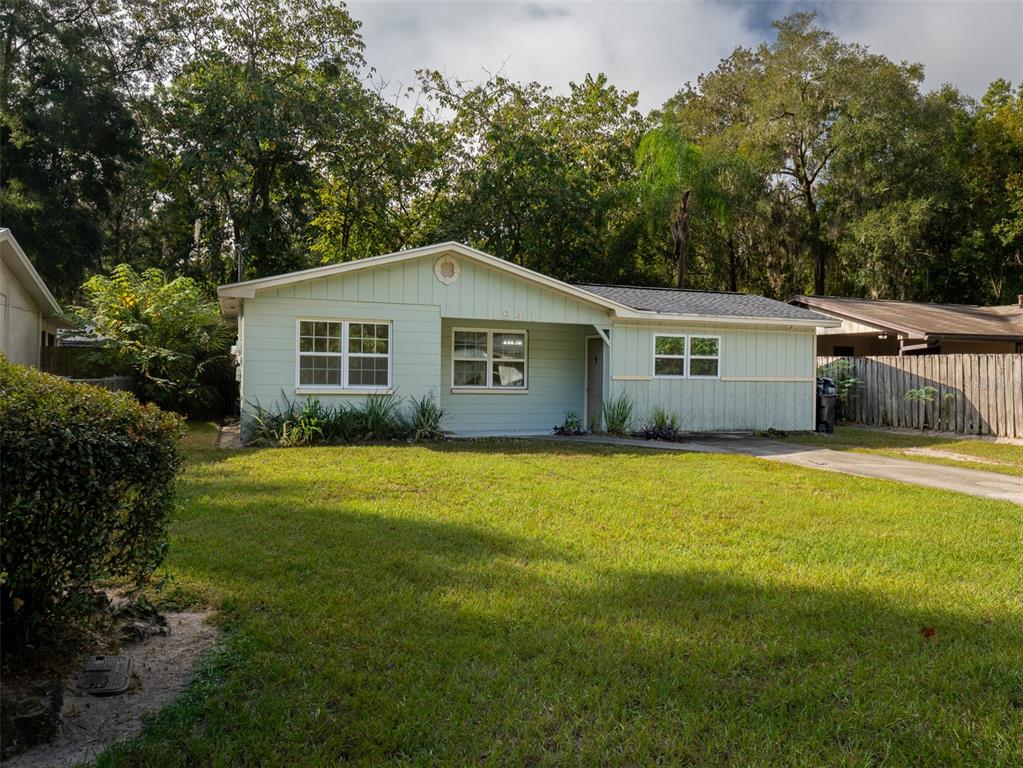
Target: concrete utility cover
[{"x": 105, "y": 675}]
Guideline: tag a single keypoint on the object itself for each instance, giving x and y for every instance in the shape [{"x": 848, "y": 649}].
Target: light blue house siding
[
  {"x": 766, "y": 372},
  {"x": 410, "y": 296},
  {"x": 555, "y": 380},
  {"x": 766, "y": 377},
  {"x": 269, "y": 346}
]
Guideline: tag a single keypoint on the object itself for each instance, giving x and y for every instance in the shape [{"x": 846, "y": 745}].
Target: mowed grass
[
  {"x": 993, "y": 456},
  {"x": 200, "y": 434},
  {"x": 535, "y": 603}
]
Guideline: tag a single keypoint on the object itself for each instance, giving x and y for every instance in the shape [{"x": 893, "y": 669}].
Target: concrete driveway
[{"x": 989, "y": 485}]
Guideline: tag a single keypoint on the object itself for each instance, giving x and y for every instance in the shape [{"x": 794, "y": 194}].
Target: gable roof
[
  {"x": 22, "y": 269},
  {"x": 767, "y": 310},
  {"x": 676, "y": 301},
  {"x": 919, "y": 320}
]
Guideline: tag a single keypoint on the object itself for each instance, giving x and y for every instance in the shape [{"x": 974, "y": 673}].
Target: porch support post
[{"x": 600, "y": 331}]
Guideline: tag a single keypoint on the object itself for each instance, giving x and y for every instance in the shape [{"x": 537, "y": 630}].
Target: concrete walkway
[{"x": 990, "y": 485}]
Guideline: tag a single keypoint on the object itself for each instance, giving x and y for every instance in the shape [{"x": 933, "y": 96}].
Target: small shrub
[
  {"x": 572, "y": 425},
  {"x": 426, "y": 418},
  {"x": 309, "y": 422},
  {"x": 618, "y": 414},
  {"x": 382, "y": 418},
  {"x": 662, "y": 424},
  {"x": 668, "y": 434},
  {"x": 264, "y": 426},
  {"x": 661, "y": 418},
  {"x": 86, "y": 487}
]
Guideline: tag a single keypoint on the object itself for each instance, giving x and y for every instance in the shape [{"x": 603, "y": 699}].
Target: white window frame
[
  {"x": 682, "y": 357},
  {"x": 344, "y": 354},
  {"x": 687, "y": 357},
  {"x": 490, "y": 387},
  {"x": 690, "y": 356}
]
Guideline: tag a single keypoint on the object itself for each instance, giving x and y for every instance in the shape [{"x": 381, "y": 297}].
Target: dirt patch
[
  {"x": 230, "y": 436},
  {"x": 162, "y": 666},
  {"x": 937, "y": 453}
]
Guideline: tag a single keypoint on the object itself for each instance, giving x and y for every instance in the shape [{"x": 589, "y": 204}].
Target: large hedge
[{"x": 86, "y": 483}]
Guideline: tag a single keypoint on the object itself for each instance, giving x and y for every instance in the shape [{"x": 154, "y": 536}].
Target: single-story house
[
  {"x": 29, "y": 315},
  {"x": 508, "y": 350},
  {"x": 870, "y": 327}
]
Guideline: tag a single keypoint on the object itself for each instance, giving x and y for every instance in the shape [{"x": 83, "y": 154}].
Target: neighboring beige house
[
  {"x": 29, "y": 315},
  {"x": 871, "y": 327}
]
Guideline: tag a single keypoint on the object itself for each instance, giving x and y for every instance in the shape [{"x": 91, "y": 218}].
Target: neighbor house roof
[
  {"x": 736, "y": 308},
  {"x": 674, "y": 301},
  {"x": 917, "y": 320},
  {"x": 22, "y": 269}
]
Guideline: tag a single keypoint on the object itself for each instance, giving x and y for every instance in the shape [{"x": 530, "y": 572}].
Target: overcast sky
[{"x": 656, "y": 47}]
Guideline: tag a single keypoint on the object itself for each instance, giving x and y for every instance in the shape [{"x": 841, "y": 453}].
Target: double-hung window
[
  {"x": 704, "y": 356},
  {"x": 679, "y": 356},
  {"x": 488, "y": 359},
  {"x": 344, "y": 354}
]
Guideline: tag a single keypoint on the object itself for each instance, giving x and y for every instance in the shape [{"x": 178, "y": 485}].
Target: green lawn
[
  {"x": 201, "y": 434},
  {"x": 535, "y": 603},
  {"x": 1007, "y": 458}
]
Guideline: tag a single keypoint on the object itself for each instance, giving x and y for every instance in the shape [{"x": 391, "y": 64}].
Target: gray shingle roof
[{"x": 678, "y": 302}]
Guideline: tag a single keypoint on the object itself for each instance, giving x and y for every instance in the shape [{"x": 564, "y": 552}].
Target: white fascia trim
[
  {"x": 248, "y": 288},
  {"x": 26, "y": 270}
]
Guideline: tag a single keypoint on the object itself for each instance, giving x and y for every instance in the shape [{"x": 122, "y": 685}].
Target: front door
[{"x": 594, "y": 381}]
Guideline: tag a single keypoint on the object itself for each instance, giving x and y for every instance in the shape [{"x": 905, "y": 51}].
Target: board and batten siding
[
  {"x": 269, "y": 338},
  {"x": 555, "y": 374},
  {"x": 766, "y": 378},
  {"x": 480, "y": 292}
]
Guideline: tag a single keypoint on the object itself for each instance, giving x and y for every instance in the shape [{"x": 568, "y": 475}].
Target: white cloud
[{"x": 656, "y": 47}]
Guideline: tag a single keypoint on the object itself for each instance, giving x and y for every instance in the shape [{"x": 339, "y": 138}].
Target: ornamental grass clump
[
  {"x": 86, "y": 492},
  {"x": 618, "y": 414}
]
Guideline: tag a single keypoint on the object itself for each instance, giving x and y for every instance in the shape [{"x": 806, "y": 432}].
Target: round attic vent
[{"x": 447, "y": 270}]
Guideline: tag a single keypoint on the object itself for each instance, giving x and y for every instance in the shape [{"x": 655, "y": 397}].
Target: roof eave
[
  {"x": 248, "y": 288},
  {"x": 36, "y": 286},
  {"x": 727, "y": 319}
]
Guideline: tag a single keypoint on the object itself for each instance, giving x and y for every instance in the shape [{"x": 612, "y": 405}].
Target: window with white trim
[
  {"x": 488, "y": 359},
  {"x": 704, "y": 356},
  {"x": 344, "y": 354},
  {"x": 670, "y": 356},
  {"x": 679, "y": 356}
]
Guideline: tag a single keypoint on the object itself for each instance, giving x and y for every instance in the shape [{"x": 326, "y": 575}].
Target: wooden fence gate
[{"x": 973, "y": 394}]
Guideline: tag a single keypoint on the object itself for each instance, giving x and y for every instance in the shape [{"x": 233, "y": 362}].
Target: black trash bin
[{"x": 827, "y": 405}]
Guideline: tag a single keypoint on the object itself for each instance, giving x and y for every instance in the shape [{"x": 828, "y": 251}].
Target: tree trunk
[
  {"x": 680, "y": 236},
  {"x": 818, "y": 248},
  {"x": 733, "y": 265}
]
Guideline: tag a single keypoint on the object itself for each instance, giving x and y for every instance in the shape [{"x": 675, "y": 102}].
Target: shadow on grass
[{"x": 390, "y": 640}]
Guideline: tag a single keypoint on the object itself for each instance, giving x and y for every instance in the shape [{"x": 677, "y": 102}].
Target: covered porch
[{"x": 513, "y": 377}]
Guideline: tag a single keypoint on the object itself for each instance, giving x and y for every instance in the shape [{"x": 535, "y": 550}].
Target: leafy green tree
[
  {"x": 538, "y": 178},
  {"x": 167, "y": 332},
  {"x": 238, "y": 126},
  {"x": 70, "y": 73},
  {"x": 794, "y": 108}
]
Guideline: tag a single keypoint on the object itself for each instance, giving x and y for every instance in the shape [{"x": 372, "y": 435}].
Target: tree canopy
[{"x": 232, "y": 139}]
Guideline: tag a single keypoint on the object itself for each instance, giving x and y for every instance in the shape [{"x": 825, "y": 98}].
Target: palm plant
[{"x": 676, "y": 175}]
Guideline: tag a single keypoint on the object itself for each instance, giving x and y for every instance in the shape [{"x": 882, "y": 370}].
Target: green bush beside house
[{"x": 86, "y": 492}]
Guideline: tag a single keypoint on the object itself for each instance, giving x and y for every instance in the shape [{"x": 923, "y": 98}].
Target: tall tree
[
  {"x": 71, "y": 74},
  {"x": 793, "y": 106},
  {"x": 539, "y": 178},
  {"x": 238, "y": 125}
]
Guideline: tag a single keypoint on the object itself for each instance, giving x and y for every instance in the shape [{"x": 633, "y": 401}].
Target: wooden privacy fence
[{"x": 973, "y": 394}]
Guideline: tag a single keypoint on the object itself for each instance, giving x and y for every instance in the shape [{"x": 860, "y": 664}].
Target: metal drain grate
[{"x": 105, "y": 675}]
